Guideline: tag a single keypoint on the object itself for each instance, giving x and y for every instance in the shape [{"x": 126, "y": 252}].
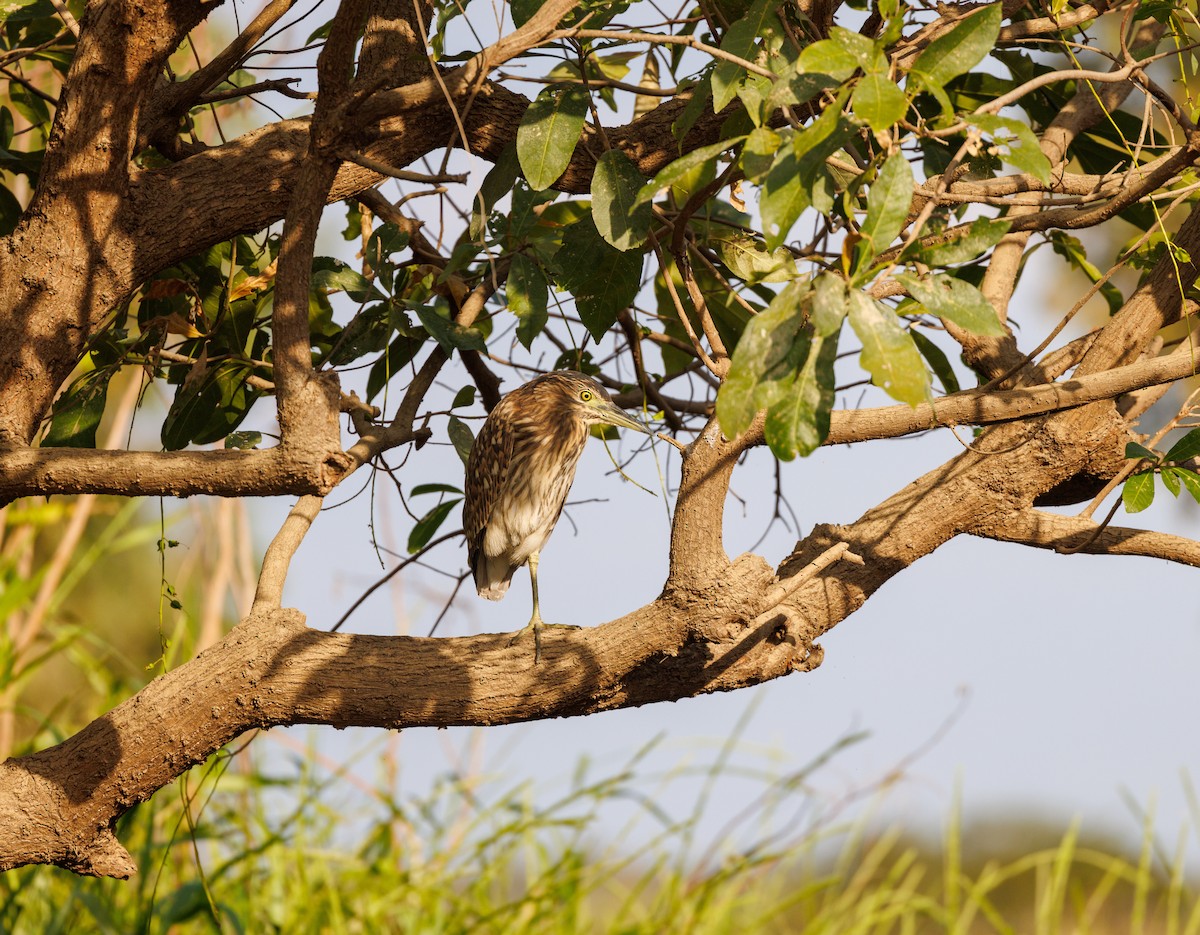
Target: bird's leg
[
  {"x": 536, "y": 620},
  {"x": 536, "y": 624}
]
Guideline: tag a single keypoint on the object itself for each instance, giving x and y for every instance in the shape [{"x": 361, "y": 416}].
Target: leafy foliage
[{"x": 1137, "y": 492}]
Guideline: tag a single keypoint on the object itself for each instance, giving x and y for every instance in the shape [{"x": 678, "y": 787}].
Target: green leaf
[
  {"x": 961, "y": 49},
  {"x": 366, "y": 333},
  {"x": 796, "y": 86},
  {"x": 422, "y": 489},
  {"x": 429, "y": 524},
  {"x": 620, "y": 218},
  {"x": 749, "y": 260},
  {"x": 797, "y": 177},
  {"x": 353, "y": 231},
  {"x": 1016, "y": 142},
  {"x": 460, "y": 437},
  {"x": 759, "y": 153},
  {"x": 1134, "y": 450},
  {"x": 522, "y": 11},
  {"x": 28, "y": 105},
  {"x": 614, "y": 66},
  {"x": 449, "y": 334},
  {"x": 7, "y": 9},
  {"x": 1186, "y": 447},
  {"x": 1170, "y": 480},
  {"x": 678, "y": 170},
  {"x": 866, "y": 53},
  {"x": 752, "y": 91},
  {"x": 888, "y": 205},
  {"x": 77, "y": 413},
  {"x": 10, "y": 212},
  {"x": 698, "y": 97},
  {"x": 829, "y": 304},
  {"x": 768, "y": 353},
  {"x": 1161, "y": 10},
  {"x": 937, "y": 360},
  {"x": 828, "y": 57},
  {"x": 698, "y": 178},
  {"x": 1138, "y": 492},
  {"x": 548, "y": 133},
  {"x": 603, "y": 279},
  {"x": 243, "y": 440},
  {"x": 878, "y": 102},
  {"x": 464, "y": 397},
  {"x": 982, "y": 235},
  {"x": 329, "y": 276},
  {"x": 523, "y": 216},
  {"x": 784, "y": 197},
  {"x": 954, "y": 300},
  {"x": 1191, "y": 481},
  {"x": 888, "y": 353},
  {"x": 527, "y": 292},
  {"x": 195, "y": 398},
  {"x": 189, "y": 900},
  {"x": 233, "y": 403},
  {"x": 321, "y": 32},
  {"x": 385, "y": 240},
  {"x": 798, "y": 422},
  {"x": 740, "y": 40}
]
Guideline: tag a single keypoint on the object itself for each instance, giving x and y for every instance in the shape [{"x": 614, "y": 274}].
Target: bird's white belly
[{"x": 519, "y": 534}]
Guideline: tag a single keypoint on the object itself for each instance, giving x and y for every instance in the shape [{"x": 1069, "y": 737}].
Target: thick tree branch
[
  {"x": 471, "y": 74},
  {"x": 171, "y": 101},
  {"x": 983, "y": 407},
  {"x": 27, "y": 472},
  {"x": 1052, "y": 531},
  {"x": 244, "y": 185},
  {"x": 697, "y": 549}
]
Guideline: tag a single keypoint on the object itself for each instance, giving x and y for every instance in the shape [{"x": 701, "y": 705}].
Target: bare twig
[
  {"x": 66, "y": 16},
  {"x": 617, "y": 35},
  {"x": 278, "y": 85}
]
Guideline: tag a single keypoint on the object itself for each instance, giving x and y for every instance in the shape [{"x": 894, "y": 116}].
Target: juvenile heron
[{"x": 520, "y": 469}]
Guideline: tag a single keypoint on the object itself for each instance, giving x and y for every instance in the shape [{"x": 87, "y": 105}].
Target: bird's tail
[{"x": 492, "y": 577}]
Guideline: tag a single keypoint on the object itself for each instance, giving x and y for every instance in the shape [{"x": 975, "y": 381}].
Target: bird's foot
[{"x": 537, "y": 625}]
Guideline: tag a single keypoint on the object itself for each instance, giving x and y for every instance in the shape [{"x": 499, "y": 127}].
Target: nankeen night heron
[{"x": 520, "y": 469}]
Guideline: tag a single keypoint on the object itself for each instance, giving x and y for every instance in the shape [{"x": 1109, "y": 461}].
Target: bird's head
[{"x": 586, "y": 400}]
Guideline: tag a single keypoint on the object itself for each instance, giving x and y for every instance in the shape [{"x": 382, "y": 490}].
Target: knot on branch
[{"x": 814, "y": 655}]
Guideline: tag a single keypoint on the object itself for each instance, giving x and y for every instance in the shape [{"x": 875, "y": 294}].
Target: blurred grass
[{"x": 232, "y": 848}]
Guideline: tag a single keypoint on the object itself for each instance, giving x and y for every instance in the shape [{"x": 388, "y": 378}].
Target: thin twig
[{"x": 391, "y": 574}]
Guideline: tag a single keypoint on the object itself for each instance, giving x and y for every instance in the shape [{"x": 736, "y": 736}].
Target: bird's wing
[{"x": 487, "y": 475}]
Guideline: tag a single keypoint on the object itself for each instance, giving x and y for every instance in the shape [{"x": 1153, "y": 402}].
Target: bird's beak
[{"x": 618, "y": 417}]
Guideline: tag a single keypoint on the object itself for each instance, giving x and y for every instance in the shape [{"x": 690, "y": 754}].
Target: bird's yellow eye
[{"x": 586, "y": 396}]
